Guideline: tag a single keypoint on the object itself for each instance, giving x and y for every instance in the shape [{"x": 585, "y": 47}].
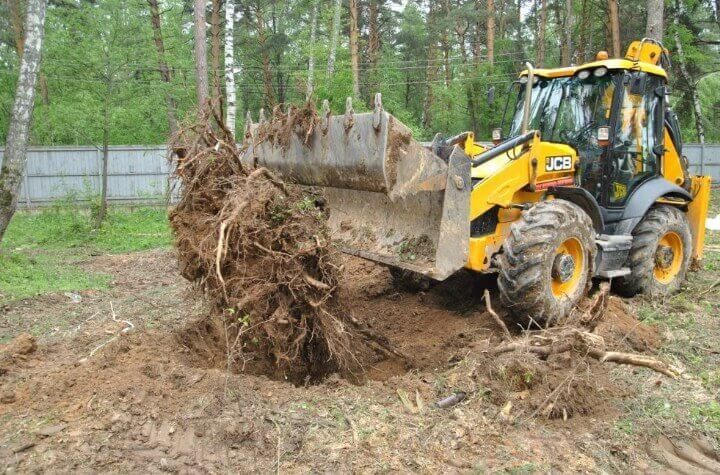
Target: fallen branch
[
  {"x": 495, "y": 316},
  {"x": 709, "y": 289},
  {"x": 588, "y": 344}
]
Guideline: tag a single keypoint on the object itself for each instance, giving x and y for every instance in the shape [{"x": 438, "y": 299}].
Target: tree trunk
[
  {"x": 614, "y": 28},
  {"x": 267, "y": 72},
  {"x": 16, "y": 23},
  {"x": 469, "y": 89},
  {"x": 102, "y": 210},
  {"x": 490, "y": 32},
  {"x": 503, "y": 20},
  {"x": 542, "y": 27},
  {"x": 373, "y": 47},
  {"x": 430, "y": 71},
  {"x": 231, "y": 109},
  {"x": 654, "y": 27},
  {"x": 582, "y": 43},
  {"x": 566, "y": 50},
  {"x": 334, "y": 39},
  {"x": 165, "y": 74},
  {"x": 311, "y": 59},
  {"x": 201, "y": 53},
  {"x": 354, "y": 46},
  {"x": 215, "y": 53},
  {"x": 13, "y": 165},
  {"x": 691, "y": 85},
  {"x": 445, "y": 42}
]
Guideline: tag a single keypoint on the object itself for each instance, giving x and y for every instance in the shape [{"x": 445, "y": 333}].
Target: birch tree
[
  {"x": 334, "y": 38},
  {"x": 230, "y": 65},
  {"x": 13, "y": 166}
]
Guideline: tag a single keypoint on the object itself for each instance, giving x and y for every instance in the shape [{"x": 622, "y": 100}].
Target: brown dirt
[
  {"x": 301, "y": 122},
  {"x": 627, "y": 333},
  {"x": 159, "y": 398}
]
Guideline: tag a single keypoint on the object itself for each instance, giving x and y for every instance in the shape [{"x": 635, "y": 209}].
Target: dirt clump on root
[
  {"x": 260, "y": 251},
  {"x": 299, "y": 121}
]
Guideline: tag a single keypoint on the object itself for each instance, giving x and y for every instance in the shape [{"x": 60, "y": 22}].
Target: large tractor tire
[
  {"x": 547, "y": 262},
  {"x": 660, "y": 254}
]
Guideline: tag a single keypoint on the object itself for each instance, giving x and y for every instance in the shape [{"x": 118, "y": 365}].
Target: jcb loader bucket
[{"x": 391, "y": 200}]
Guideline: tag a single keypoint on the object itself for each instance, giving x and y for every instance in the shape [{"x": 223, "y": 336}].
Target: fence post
[{"x": 26, "y": 184}]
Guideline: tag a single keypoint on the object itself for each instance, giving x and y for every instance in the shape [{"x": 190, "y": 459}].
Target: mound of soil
[{"x": 620, "y": 327}]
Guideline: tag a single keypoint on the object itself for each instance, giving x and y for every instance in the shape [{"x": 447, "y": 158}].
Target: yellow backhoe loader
[{"x": 586, "y": 180}]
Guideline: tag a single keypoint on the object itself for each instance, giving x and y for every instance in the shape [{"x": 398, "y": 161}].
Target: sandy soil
[{"x": 144, "y": 386}]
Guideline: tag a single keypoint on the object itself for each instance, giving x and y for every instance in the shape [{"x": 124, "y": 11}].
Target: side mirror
[
  {"x": 496, "y": 136},
  {"x": 491, "y": 95}
]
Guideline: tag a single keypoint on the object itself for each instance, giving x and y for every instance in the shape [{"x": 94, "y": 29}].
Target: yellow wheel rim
[
  {"x": 668, "y": 257},
  {"x": 567, "y": 269}
]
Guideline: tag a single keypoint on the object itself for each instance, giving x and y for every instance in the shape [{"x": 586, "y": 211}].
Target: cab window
[{"x": 638, "y": 136}]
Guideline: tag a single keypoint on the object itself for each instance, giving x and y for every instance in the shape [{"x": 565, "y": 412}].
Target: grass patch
[
  {"x": 60, "y": 228},
  {"x": 41, "y": 250}
]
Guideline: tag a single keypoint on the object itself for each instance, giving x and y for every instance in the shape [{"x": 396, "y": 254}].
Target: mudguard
[{"x": 642, "y": 199}]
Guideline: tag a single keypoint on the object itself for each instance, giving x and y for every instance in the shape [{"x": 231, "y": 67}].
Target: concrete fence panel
[{"x": 139, "y": 174}]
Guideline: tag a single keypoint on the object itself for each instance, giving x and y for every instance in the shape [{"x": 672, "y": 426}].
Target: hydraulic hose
[{"x": 502, "y": 148}]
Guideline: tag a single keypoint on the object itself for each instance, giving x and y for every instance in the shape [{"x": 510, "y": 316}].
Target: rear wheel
[
  {"x": 546, "y": 262},
  {"x": 660, "y": 254}
]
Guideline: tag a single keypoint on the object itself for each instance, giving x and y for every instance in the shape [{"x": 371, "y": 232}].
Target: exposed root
[
  {"x": 261, "y": 252},
  {"x": 583, "y": 344}
]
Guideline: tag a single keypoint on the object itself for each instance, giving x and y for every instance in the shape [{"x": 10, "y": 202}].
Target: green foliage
[
  {"x": 432, "y": 68},
  {"x": 41, "y": 251}
]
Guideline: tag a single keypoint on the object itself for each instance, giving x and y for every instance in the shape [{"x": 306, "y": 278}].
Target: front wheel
[
  {"x": 660, "y": 254},
  {"x": 547, "y": 262}
]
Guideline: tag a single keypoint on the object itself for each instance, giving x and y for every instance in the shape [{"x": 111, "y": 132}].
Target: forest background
[{"x": 124, "y": 71}]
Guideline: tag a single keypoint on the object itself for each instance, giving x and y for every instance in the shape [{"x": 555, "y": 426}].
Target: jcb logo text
[{"x": 556, "y": 164}]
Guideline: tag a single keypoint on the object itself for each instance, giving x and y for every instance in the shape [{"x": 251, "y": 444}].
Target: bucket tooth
[
  {"x": 325, "y": 117},
  {"x": 377, "y": 111},
  {"x": 248, "y": 126},
  {"x": 261, "y": 119},
  {"x": 349, "y": 118},
  {"x": 277, "y": 111}
]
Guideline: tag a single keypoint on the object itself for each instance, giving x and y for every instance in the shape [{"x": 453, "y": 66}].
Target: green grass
[{"x": 41, "y": 250}]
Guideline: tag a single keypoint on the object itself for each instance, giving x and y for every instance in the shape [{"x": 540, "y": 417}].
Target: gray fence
[
  {"x": 136, "y": 174},
  {"x": 139, "y": 174}
]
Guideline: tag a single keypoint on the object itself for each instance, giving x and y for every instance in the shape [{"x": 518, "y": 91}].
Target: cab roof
[{"x": 611, "y": 64}]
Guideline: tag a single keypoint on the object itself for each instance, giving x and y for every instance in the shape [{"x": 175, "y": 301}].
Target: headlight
[
  {"x": 600, "y": 72},
  {"x": 523, "y": 79},
  {"x": 535, "y": 80},
  {"x": 584, "y": 74}
]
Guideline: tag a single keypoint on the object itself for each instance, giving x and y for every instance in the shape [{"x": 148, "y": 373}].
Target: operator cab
[{"x": 612, "y": 113}]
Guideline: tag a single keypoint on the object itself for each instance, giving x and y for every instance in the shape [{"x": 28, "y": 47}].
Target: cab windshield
[{"x": 566, "y": 109}]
